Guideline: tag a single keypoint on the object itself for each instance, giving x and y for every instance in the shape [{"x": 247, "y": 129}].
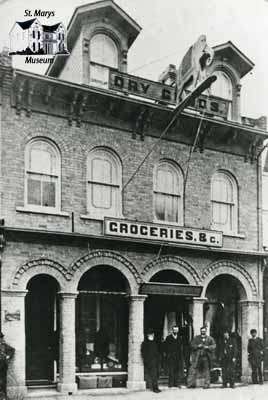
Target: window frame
[
  {"x": 233, "y": 205},
  {"x": 176, "y": 169},
  {"x": 116, "y": 209},
  {"x": 57, "y": 177},
  {"x": 99, "y": 69}
]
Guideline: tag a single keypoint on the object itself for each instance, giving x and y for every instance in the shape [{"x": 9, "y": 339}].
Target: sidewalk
[{"x": 250, "y": 392}]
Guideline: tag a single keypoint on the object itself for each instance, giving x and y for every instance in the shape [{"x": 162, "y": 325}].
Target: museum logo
[{"x": 31, "y": 37}]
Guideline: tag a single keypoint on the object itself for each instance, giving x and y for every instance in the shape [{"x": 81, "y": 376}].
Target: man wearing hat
[
  {"x": 6, "y": 353},
  {"x": 151, "y": 356},
  {"x": 255, "y": 356}
]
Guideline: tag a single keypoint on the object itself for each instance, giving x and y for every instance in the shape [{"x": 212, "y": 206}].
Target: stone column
[
  {"x": 198, "y": 313},
  {"x": 13, "y": 327},
  {"x": 252, "y": 312},
  {"x": 67, "y": 360},
  {"x": 135, "y": 337}
]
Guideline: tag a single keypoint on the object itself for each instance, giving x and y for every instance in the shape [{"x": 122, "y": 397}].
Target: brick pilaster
[
  {"x": 252, "y": 312},
  {"x": 67, "y": 382},
  {"x": 198, "y": 313},
  {"x": 135, "y": 338}
]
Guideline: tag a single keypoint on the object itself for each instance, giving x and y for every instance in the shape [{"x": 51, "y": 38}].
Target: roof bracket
[
  {"x": 143, "y": 121},
  {"x": 72, "y": 108},
  {"x": 81, "y": 109},
  {"x": 30, "y": 91},
  {"x": 19, "y": 94}
]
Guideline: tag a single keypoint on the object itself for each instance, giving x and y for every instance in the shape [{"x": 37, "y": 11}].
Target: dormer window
[
  {"x": 223, "y": 88},
  {"x": 103, "y": 54}
]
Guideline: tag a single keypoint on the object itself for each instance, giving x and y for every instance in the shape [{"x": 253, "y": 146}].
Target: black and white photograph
[{"x": 133, "y": 199}]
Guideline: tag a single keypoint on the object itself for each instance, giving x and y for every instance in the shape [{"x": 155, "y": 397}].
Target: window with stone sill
[
  {"x": 224, "y": 201},
  {"x": 104, "y": 184},
  {"x": 103, "y": 54},
  {"x": 42, "y": 176},
  {"x": 168, "y": 193}
]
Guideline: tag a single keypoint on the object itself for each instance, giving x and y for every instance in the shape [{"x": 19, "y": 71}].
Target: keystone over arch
[
  {"x": 234, "y": 269},
  {"x": 174, "y": 263},
  {"x": 105, "y": 257}
]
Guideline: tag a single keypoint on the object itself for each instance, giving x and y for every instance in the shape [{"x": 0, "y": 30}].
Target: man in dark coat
[
  {"x": 203, "y": 347},
  {"x": 151, "y": 357},
  {"x": 228, "y": 355},
  {"x": 174, "y": 351},
  {"x": 6, "y": 353},
  {"x": 255, "y": 356}
]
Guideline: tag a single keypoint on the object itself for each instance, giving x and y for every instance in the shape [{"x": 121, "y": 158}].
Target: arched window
[
  {"x": 103, "y": 54},
  {"x": 224, "y": 199},
  {"x": 168, "y": 193},
  {"x": 42, "y": 175},
  {"x": 104, "y": 178},
  {"x": 222, "y": 87}
]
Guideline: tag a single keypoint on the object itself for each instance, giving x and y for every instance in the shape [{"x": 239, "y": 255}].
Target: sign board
[
  {"x": 212, "y": 105},
  {"x": 170, "y": 289},
  {"x": 161, "y": 232},
  {"x": 130, "y": 84}
]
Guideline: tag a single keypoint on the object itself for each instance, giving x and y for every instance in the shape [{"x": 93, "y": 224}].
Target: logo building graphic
[{"x": 32, "y": 37}]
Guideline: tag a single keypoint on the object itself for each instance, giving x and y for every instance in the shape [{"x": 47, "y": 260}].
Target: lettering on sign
[
  {"x": 141, "y": 87},
  {"x": 170, "y": 289},
  {"x": 212, "y": 106},
  {"x": 159, "y": 232}
]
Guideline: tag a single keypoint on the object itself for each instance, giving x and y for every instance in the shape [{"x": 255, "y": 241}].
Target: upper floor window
[
  {"x": 42, "y": 175},
  {"x": 103, "y": 54},
  {"x": 222, "y": 87},
  {"x": 104, "y": 178},
  {"x": 224, "y": 198},
  {"x": 168, "y": 193}
]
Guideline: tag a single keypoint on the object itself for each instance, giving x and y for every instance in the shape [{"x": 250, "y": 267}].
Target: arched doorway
[
  {"x": 102, "y": 322},
  {"x": 163, "y": 311},
  {"x": 41, "y": 330},
  {"x": 223, "y": 311}
]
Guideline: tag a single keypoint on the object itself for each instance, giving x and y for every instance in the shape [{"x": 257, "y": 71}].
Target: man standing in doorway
[
  {"x": 228, "y": 355},
  {"x": 202, "y": 347},
  {"x": 174, "y": 352},
  {"x": 151, "y": 357},
  {"x": 255, "y": 356}
]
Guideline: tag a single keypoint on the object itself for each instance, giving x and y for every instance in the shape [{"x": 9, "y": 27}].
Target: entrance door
[{"x": 41, "y": 330}]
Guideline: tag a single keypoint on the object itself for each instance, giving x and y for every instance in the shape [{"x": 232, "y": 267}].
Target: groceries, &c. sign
[{"x": 159, "y": 232}]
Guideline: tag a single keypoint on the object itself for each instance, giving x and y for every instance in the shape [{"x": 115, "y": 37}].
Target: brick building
[{"x": 92, "y": 255}]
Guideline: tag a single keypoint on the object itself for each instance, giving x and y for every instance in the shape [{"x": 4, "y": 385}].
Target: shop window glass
[
  {"x": 224, "y": 203},
  {"x": 168, "y": 193},
  {"x": 102, "y": 321},
  {"x": 42, "y": 175}
]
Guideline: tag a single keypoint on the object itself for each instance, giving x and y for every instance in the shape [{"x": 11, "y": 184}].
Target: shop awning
[{"x": 171, "y": 289}]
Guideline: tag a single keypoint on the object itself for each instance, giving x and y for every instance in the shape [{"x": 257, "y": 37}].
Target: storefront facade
[{"x": 93, "y": 253}]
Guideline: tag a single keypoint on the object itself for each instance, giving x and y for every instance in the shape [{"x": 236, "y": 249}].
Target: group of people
[{"x": 203, "y": 349}]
